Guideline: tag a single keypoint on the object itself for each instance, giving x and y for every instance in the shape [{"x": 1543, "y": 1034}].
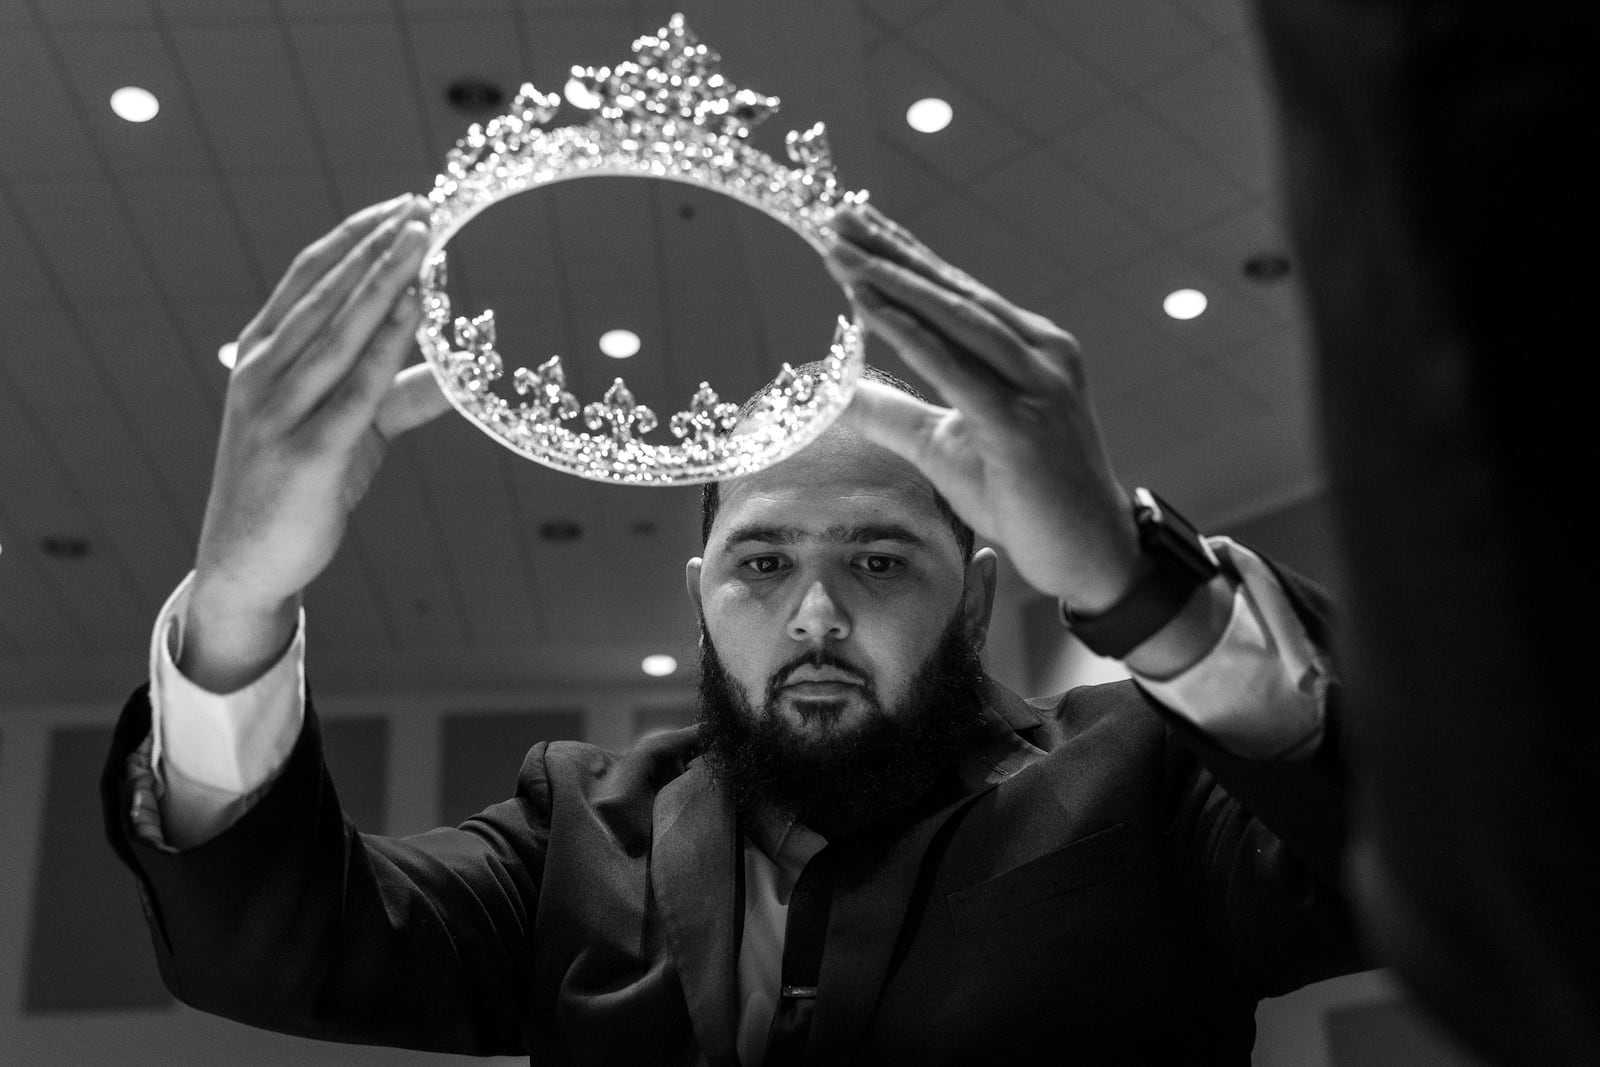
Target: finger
[
  {"x": 414, "y": 399},
  {"x": 964, "y": 383},
  {"x": 330, "y": 344},
  {"x": 974, "y": 334},
  {"x": 355, "y": 402},
  {"x": 316, "y": 259},
  {"x": 874, "y": 232},
  {"x": 894, "y": 419}
]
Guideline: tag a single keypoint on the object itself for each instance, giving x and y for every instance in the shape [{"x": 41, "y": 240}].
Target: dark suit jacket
[{"x": 1098, "y": 890}]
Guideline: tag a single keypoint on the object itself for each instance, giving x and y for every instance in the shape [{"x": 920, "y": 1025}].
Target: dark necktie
[{"x": 805, "y": 930}]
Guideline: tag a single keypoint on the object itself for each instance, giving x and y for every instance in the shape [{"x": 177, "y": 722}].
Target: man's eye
[
  {"x": 881, "y": 566},
  {"x": 763, "y": 566}
]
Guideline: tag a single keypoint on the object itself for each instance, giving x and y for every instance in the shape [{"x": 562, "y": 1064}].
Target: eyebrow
[{"x": 769, "y": 534}]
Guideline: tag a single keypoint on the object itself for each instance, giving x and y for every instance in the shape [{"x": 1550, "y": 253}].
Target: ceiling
[{"x": 1103, "y": 153}]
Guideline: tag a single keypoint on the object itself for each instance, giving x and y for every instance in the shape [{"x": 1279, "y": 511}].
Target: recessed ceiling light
[
  {"x": 474, "y": 96},
  {"x": 619, "y": 344},
  {"x": 1184, "y": 303},
  {"x": 659, "y": 665},
  {"x": 64, "y": 546},
  {"x": 929, "y": 115},
  {"x": 560, "y": 531},
  {"x": 1266, "y": 267},
  {"x": 228, "y": 354},
  {"x": 135, "y": 104},
  {"x": 580, "y": 95}
]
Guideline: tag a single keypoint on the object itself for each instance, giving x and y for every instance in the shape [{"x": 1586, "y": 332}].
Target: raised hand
[
  {"x": 315, "y": 396},
  {"x": 1018, "y": 452}
]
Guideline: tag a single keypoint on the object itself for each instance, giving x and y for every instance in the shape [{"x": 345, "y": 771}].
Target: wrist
[
  {"x": 1174, "y": 563},
  {"x": 230, "y": 638},
  {"x": 1189, "y": 636}
]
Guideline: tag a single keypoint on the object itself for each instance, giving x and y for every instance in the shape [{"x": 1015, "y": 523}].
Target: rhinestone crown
[{"x": 669, "y": 113}]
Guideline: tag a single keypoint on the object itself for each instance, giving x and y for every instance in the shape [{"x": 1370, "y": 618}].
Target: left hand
[{"x": 1018, "y": 453}]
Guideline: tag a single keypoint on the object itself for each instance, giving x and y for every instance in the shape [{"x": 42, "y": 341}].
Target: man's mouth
[
  {"x": 820, "y": 681},
  {"x": 818, "y": 690}
]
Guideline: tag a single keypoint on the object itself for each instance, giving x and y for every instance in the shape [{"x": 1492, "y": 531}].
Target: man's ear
[
  {"x": 691, "y": 579},
  {"x": 977, "y": 596}
]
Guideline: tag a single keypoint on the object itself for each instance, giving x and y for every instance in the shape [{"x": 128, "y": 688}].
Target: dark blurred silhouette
[{"x": 1445, "y": 225}]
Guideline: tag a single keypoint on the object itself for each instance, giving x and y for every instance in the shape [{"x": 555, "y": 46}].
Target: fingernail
[{"x": 412, "y": 232}]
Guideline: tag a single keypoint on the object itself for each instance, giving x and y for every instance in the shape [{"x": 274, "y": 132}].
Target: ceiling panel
[
  {"x": 23, "y": 277},
  {"x": 970, "y": 235},
  {"x": 174, "y": 407},
  {"x": 977, "y": 140},
  {"x": 1278, "y": 369},
  {"x": 46, "y": 136},
  {"x": 1217, "y": 103},
  {"x": 81, "y": 227},
  {"x": 1226, "y": 18},
  {"x": 1233, "y": 314},
  {"x": 553, "y": 44},
  {"x": 1156, "y": 176},
  {"x": 359, "y": 87},
  {"x": 1228, "y": 477},
  {"x": 182, "y": 220},
  {"x": 346, "y": 604},
  {"x": 1128, "y": 42},
  {"x": 1019, "y": 74},
  {"x": 320, "y": 11},
  {"x": 242, "y": 81},
  {"x": 896, "y": 14},
  {"x": 446, "y": 49},
  {"x": 213, "y": 12},
  {"x": 282, "y": 212},
  {"x": 1085, "y": 231},
  {"x": 1121, "y": 347},
  {"x": 96, "y": 62}
]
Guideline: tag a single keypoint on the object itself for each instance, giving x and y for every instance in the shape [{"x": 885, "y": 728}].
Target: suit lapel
[
  {"x": 869, "y": 907},
  {"x": 693, "y": 875},
  {"x": 879, "y": 874}
]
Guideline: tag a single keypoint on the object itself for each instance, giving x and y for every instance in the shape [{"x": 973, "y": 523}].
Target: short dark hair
[{"x": 711, "y": 495}]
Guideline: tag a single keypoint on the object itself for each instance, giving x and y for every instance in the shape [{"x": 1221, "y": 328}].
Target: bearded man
[{"x": 866, "y": 851}]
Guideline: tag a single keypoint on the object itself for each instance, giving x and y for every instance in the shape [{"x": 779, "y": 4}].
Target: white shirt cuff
[
  {"x": 1261, "y": 692},
  {"x": 213, "y": 751}
]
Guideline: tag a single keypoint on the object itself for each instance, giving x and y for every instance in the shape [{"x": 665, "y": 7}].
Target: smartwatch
[{"x": 1181, "y": 562}]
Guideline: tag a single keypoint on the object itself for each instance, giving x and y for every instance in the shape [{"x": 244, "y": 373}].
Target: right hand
[{"x": 315, "y": 396}]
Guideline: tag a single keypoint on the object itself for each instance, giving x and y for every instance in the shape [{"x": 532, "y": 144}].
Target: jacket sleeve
[
  {"x": 1259, "y": 844},
  {"x": 294, "y": 921}
]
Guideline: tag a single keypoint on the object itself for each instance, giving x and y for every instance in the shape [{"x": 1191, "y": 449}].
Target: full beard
[{"x": 843, "y": 781}]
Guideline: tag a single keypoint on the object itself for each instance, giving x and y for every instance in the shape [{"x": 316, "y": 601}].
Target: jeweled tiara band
[{"x": 669, "y": 114}]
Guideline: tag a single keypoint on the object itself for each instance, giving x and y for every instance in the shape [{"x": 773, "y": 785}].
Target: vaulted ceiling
[{"x": 1103, "y": 153}]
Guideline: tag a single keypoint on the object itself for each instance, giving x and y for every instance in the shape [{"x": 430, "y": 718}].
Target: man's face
[{"x": 828, "y": 580}]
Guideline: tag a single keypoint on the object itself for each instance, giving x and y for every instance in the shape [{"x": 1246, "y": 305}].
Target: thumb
[
  {"x": 894, "y": 419},
  {"x": 413, "y": 399}
]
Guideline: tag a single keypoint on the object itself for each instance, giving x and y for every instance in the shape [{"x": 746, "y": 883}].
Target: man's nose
[{"x": 818, "y": 616}]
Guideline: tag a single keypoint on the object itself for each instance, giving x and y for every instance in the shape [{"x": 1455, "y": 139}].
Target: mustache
[{"x": 817, "y": 659}]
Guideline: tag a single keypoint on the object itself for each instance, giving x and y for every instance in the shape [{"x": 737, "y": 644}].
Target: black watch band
[{"x": 1181, "y": 563}]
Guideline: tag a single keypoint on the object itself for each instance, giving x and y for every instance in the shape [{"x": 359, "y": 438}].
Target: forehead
[{"x": 839, "y": 479}]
